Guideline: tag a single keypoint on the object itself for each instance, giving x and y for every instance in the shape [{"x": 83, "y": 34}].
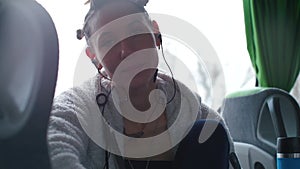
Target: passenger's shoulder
[{"x": 77, "y": 94}]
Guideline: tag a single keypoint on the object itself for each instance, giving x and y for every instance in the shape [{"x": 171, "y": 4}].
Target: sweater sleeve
[{"x": 66, "y": 138}]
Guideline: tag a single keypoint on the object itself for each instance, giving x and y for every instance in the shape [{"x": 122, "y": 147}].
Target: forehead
[{"x": 119, "y": 12}]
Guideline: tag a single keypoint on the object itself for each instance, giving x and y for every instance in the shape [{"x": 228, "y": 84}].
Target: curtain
[{"x": 273, "y": 41}]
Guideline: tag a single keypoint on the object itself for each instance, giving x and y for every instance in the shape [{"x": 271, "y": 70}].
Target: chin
[{"x": 143, "y": 78}]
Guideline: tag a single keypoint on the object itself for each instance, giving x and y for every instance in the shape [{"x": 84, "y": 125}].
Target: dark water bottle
[{"x": 288, "y": 153}]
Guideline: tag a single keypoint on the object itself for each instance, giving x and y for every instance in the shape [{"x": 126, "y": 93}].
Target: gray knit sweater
[{"x": 71, "y": 144}]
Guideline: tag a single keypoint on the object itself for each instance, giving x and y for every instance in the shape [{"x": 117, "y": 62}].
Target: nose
[{"x": 126, "y": 48}]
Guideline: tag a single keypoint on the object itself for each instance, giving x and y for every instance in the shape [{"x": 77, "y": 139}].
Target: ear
[
  {"x": 89, "y": 52},
  {"x": 156, "y": 33}
]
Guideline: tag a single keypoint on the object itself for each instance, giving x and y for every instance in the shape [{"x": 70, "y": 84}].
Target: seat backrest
[
  {"x": 28, "y": 72},
  {"x": 256, "y": 118}
]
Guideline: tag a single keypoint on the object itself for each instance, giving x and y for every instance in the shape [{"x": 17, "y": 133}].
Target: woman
[{"x": 122, "y": 43}]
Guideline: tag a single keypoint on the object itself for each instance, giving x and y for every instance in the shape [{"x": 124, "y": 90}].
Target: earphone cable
[{"x": 172, "y": 76}]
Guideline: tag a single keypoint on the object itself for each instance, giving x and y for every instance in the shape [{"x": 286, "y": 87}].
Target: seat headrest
[{"x": 28, "y": 63}]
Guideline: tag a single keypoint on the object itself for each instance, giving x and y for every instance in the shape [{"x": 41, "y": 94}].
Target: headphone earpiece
[
  {"x": 157, "y": 33},
  {"x": 159, "y": 38}
]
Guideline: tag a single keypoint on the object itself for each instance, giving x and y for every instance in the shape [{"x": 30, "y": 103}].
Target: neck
[{"x": 139, "y": 96}]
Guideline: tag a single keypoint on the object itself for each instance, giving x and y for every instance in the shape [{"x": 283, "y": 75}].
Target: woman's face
[{"x": 124, "y": 43}]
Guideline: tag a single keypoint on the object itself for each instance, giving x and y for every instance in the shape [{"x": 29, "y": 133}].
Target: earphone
[
  {"x": 157, "y": 33},
  {"x": 159, "y": 42}
]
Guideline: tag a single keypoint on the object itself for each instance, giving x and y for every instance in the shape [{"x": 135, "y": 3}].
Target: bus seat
[
  {"x": 255, "y": 119},
  {"x": 28, "y": 72}
]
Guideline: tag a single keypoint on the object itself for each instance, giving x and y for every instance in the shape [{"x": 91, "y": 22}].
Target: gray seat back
[
  {"x": 28, "y": 72},
  {"x": 256, "y": 118}
]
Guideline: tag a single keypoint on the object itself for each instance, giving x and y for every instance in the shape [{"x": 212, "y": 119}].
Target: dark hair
[{"x": 96, "y": 5}]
